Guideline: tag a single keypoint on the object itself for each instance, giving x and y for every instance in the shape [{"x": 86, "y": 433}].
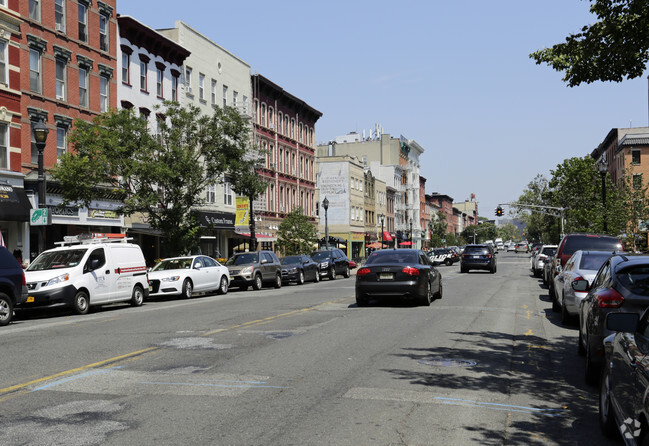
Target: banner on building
[{"x": 242, "y": 219}]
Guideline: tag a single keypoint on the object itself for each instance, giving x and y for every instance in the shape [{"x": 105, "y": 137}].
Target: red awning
[
  {"x": 386, "y": 236},
  {"x": 408, "y": 243}
]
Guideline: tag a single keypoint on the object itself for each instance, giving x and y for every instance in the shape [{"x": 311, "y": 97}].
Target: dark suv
[
  {"x": 331, "y": 262},
  {"x": 478, "y": 257},
  {"x": 573, "y": 242},
  {"x": 13, "y": 288},
  {"x": 254, "y": 268}
]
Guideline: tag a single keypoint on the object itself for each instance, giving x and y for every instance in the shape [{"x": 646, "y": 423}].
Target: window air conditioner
[
  {"x": 58, "y": 26},
  {"x": 271, "y": 126}
]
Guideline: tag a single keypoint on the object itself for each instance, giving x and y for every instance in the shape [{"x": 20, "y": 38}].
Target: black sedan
[
  {"x": 406, "y": 273},
  {"x": 623, "y": 406},
  {"x": 299, "y": 268},
  {"x": 478, "y": 257}
]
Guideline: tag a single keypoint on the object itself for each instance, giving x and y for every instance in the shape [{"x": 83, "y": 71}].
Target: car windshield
[
  {"x": 243, "y": 259},
  {"x": 590, "y": 243},
  {"x": 57, "y": 260},
  {"x": 635, "y": 279},
  {"x": 395, "y": 256},
  {"x": 291, "y": 260},
  {"x": 473, "y": 250},
  {"x": 184, "y": 263},
  {"x": 549, "y": 251},
  {"x": 593, "y": 261},
  {"x": 321, "y": 255}
]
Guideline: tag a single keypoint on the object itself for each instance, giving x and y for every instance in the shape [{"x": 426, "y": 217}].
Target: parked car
[
  {"x": 447, "y": 256},
  {"x": 256, "y": 269},
  {"x": 478, "y": 257},
  {"x": 13, "y": 288},
  {"x": 405, "y": 273},
  {"x": 511, "y": 247},
  {"x": 586, "y": 242},
  {"x": 624, "y": 384},
  {"x": 542, "y": 255},
  {"x": 521, "y": 247},
  {"x": 89, "y": 271},
  {"x": 184, "y": 276},
  {"x": 621, "y": 284},
  {"x": 332, "y": 262},
  {"x": 582, "y": 265},
  {"x": 299, "y": 268}
]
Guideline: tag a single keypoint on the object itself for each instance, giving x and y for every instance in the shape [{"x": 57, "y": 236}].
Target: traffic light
[{"x": 499, "y": 211}]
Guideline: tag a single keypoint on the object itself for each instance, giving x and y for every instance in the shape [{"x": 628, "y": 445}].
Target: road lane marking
[{"x": 134, "y": 354}]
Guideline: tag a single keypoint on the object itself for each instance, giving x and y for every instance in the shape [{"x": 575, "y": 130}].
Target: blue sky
[{"x": 453, "y": 75}]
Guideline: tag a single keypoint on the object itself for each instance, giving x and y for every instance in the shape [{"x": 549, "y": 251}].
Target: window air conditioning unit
[
  {"x": 271, "y": 126},
  {"x": 189, "y": 89},
  {"x": 58, "y": 26}
]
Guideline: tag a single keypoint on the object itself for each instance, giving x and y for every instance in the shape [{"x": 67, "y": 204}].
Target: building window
[
  {"x": 263, "y": 114},
  {"x": 211, "y": 193},
  {"x": 61, "y": 141},
  {"x": 227, "y": 193},
  {"x": 279, "y": 122},
  {"x": 635, "y": 156},
  {"x": 213, "y": 90},
  {"x": 201, "y": 86},
  {"x": 188, "y": 79},
  {"x": 271, "y": 118},
  {"x": 286, "y": 133},
  {"x": 235, "y": 98},
  {"x": 4, "y": 74},
  {"x": 59, "y": 15},
  {"x": 225, "y": 96},
  {"x": 61, "y": 79},
  {"x": 637, "y": 181},
  {"x": 34, "y": 149},
  {"x": 244, "y": 103},
  {"x": 4, "y": 146},
  {"x": 83, "y": 86},
  {"x": 174, "y": 88},
  {"x": 103, "y": 32},
  {"x": 83, "y": 22},
  {"x": 158, "y": 82},
  {"x": 126, "y": 62},
  {"x": 103, "y": 94},
  {"x": 35, "y": 70},
  {"x": 144, "y": 67},
  {"x": 35, "y": 10}
]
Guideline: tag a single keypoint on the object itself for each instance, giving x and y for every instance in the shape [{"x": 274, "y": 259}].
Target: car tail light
[
  {"x": 363, "y": 272},
  {"x": 24, "y": 280},
  {"x": 609, "y": 299},
  {"x": 409, "y": 270}
]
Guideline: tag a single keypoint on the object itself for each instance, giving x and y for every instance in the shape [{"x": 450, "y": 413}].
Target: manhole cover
[
  {"x": 279, "y": 335},
  {"x": 448, "y": 362}
]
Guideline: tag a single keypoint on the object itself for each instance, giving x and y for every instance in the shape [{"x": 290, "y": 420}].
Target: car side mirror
[
  {"x": 94, "y": 264},
  {"x": 624, "y": 322},
  {"x": 263, "y": 261},
  {"x": 580, "y": 285}
]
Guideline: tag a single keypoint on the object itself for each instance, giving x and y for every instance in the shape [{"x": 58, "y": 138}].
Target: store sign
[
  {"x": 63, "y": 211},
  {"x": 102, "y": 213},
  {"x": 40, "y": 217},
  {"x": 216, "y": 220}
]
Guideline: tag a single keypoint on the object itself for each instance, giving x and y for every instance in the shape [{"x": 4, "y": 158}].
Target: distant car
[
  {"x": 332, "y": 262},
  {"x": 624, "y": 384},
  {"x": 621, "y": 284},
  {"x": 446, "y": 256},
  {"x": 299, "y": 268},
  {"x": 405, "y": 273},
  {"x": 478, "y": 257},
  {"x": 13, "y": 288},
  {"x": 511, "y": 247},
  {"x": 185, "y": 276},
  {"x": 256, "y": 269},
  {"x": 582, "y": 265},
  {"x": 542, "y": 255},
  {"x": 521, "y": 247}
]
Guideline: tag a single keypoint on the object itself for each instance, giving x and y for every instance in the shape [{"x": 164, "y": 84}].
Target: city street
[{"x": 489, "y": 364}]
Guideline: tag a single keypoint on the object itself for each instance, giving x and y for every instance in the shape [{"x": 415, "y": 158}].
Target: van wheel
[
  {"x": 6, "y": 310},
  {"x": 138, "y": 296},
  {"x": 187, "y": 289},
  {"x": 81, "y": 303},
  {"x": 223, "y": 287}
]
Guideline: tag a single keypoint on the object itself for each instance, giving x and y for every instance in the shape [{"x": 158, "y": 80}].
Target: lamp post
[
  {"x": 382, "y": 219},
  {"x": 603, "y": 168},
  {"x": 40, "y": 136},
  {"x": 411, "y": 233},
  {"x": 325, "y": 205}
]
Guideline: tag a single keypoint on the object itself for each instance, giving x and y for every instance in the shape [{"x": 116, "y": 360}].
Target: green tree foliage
[
  {"x": 539, "y": 226},
  {"x": 636, "y": 213},
  {"x": 508, "y": 231},
  {"x": 438, "y": 227},
  {"x": 614, "y": 47},
  {"x": 163, "y": 176},
  {"x": 482, "y": 232},
  {"x": 296, "y": 234}
]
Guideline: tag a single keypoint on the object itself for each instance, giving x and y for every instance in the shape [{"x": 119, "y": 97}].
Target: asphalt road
[{"x": 489, "y": 364}]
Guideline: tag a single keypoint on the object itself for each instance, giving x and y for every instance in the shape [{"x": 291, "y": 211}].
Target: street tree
[
  {"x": 538, "y": 224},
  {"x": 508, "y": 231},
  {"x": 613, "y": 48},
  {"x": 162, "y": 176},
  {"x": 296, "y": 234},
  {"x": 438, "y": 227},
  {"x": 635, "y": 212}
]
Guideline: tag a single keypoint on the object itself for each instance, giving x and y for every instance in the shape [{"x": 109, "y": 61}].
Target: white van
[{"x": 95, "y": 269}]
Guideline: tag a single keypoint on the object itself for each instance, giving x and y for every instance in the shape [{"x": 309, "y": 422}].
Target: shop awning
[
  {"x": 14, "y": 204},
  {"x": 264, "y": 237}
]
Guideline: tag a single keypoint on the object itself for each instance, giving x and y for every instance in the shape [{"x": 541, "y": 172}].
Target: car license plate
[
  {"x": 385, "y": 276},
  {"x": 150, "y": 288},
  {"x": 476, "y": 257},
  {"x": 30, "y": 299}
]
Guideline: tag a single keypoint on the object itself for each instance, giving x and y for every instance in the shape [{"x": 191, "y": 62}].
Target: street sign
[{"x": 40, "y": 217}]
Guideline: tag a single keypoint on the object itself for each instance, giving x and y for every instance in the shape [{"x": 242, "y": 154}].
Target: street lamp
[
  {"x": 603, "y": 168},
  {"x": 40, "y": 136},
  {"x": 382, "y": 219},
  {"x": 325, "y": 205},
  {"x": 411, "y": 232}
]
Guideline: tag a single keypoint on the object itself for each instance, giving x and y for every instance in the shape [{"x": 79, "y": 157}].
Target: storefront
[
  {"x": 14, "y": 217},
  {"x": 218, "y": 236}
]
